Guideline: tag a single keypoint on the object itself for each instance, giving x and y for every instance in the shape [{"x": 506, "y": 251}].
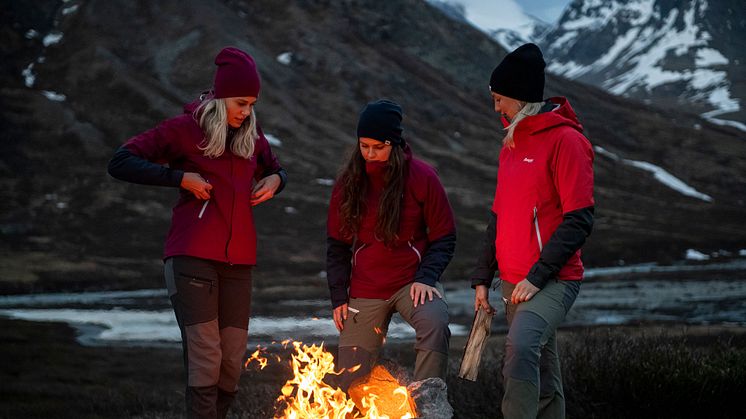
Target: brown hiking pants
[
  {"x": 367, "y": 324},
  {"x": 212, "y": 302}
]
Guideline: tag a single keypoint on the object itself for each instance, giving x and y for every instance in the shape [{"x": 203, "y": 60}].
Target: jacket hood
[
  {"x": 561, "y": 115},
  {"x": 189, "y": 108}
]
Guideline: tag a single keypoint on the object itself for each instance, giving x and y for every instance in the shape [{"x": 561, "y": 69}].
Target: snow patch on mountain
[{"x": 634, "y": 47}]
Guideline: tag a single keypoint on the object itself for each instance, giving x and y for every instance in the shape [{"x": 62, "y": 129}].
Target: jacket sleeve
[
  {"x": 140, "y": 159},
  {"x": 569, "y": 236},
  {"x": 441, "y": 232},
  {"x": 338, "y": 269},
  {"x": 572, "y": 171},
  {"x": 338, "y": 253},
  {"x": 484, "y": 271},
  {"x": 267, "y": 162}
]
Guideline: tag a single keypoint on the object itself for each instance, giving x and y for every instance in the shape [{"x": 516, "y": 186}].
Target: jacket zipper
[
  {"x": 419, "y": 257},
  {"x": 230, "y": 221},
  {"x": 354, "y": 257},
  {"x": 536, "y": 225}
]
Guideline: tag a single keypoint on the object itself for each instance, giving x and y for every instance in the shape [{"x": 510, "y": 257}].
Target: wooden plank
[{"x": 480, "y": 331}]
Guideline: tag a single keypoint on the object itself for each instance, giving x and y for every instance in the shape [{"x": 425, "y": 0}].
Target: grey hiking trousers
[
  {"x": 212, "y": 302},
  {"x": 531, "y": 372}
]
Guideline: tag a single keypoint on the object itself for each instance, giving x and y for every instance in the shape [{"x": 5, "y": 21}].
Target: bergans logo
[{"x": 527, "y": 160}]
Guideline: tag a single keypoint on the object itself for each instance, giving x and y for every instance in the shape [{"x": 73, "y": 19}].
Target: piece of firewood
[{"x": 480, "y": 331}]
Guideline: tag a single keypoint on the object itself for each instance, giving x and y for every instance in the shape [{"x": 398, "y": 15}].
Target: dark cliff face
[{"x": 124, "y": 66}]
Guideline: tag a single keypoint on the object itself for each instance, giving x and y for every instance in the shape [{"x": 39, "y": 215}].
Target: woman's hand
[
  {"x": 482, "y": 299},
  {"x": 265, "y": 189},
  {"x": 418, "y": 291},
  {"x": 523, "y": 291},
  {"x": 196, "y": 184},
  {"x": 340, "y": 315}
]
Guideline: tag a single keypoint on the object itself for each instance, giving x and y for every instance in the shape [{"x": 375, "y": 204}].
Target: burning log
[
  {"x": 480, "y": 331},
  {"x": 391, "y": 399},
  {"x": 307, "y": 396}
]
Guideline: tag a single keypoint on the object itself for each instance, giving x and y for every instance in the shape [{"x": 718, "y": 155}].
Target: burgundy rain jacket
[
  {"x": 379, "y": 271},
  {"x": 221, "y": 230}
]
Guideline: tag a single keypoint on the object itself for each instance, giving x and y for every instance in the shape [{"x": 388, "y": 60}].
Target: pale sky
[{"x": 511, "y": 13}]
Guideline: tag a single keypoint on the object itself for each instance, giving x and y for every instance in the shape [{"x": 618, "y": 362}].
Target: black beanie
[
  {"x": 520, "y": 75},
  {"x": 381, "y": 120}
]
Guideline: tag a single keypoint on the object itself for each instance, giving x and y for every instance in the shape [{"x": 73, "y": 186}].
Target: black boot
[
  {"x": 201, "y": 402},
  {"x": 225, "y": 399}
]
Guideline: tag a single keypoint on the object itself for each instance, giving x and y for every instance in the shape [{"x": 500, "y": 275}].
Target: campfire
[{"x": 306, "y": 396}]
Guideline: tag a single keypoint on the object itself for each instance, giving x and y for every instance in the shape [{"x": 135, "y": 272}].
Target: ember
[{"x": 307, "y": 396}]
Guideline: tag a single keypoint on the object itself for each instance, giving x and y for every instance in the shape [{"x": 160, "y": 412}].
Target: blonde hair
[
  {"x": 212, "y": 116},
  {"x": 527, "y": 109}
]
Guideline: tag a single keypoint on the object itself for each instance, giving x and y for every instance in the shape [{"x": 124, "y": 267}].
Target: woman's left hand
[
  {"x": 523, "y": 291},
  {"x": 265, "y": 189},
  {"x": 418, "y": 291}
]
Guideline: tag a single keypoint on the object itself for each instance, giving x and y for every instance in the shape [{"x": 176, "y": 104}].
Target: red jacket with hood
[
  {"x": 225, "y": 231},
  {"x": 548, "y": 173}
]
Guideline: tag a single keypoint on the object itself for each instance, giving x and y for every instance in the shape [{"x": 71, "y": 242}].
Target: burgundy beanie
[
  {"x": 520, "y": 75},
  {"x": 236, "y": 74}
]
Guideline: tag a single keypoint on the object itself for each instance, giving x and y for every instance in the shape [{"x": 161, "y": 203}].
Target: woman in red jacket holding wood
[{"x": 541, "y": 215}]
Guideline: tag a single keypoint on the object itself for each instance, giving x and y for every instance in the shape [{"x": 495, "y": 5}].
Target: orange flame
[
  {"x": 258, "y": 358},
  {"x": 307, "y": 396}
]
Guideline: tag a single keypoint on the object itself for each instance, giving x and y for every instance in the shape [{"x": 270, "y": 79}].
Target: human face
[
  {"x": 239, "y": 108},
  {"x": 506, "y": 106},
  {"x": 374, "y": 150}
]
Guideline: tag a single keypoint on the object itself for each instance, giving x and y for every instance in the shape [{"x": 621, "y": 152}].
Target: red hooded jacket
[{"x": 549, "y": 172}]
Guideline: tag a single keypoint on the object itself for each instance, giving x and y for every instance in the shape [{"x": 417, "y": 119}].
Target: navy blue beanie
[
  {"x": 381, "y": 120},
  {"x": 520, "y": 75}
]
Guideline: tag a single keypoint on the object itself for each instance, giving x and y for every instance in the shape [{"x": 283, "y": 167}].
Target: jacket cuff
[
  {"x": 422, "y": 279},
  {"x": 539, "y": 275},
  {"x": 283, "y": 179},
  {"x": 339, "y": 297},
  {"x": 481, "y": 281},
  {"x": 175, "y": 177}
]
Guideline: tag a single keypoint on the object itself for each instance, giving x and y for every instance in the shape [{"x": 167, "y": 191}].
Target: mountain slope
[
  {"x": 685, "y": 53},
  {"x": 119, "y": 67}
]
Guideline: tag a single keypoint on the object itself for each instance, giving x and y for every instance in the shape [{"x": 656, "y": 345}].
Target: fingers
[
  {"x": 412, "y": 293},
  {"x": 435, "y": 290},
  {"x": 337, "y": 320},
  {"x": 519, "y": 296},
  {"x": 260, "y": 195}
]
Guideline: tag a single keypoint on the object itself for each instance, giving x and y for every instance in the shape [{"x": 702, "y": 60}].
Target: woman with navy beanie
[
  {"x": 222, "y": 165},
  {"x": 542, "y": 214},
  {"x": 390, "y": 235}
]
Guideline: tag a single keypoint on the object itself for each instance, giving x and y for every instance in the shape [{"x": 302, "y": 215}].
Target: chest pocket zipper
[
  {"x": 354, "y": 257},
  {"x": 419, "y": 257},
  {"x": 536, "y": 225}
]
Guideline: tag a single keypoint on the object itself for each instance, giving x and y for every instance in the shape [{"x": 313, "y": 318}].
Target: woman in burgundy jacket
[
  {"x": 541, "y": 216},
  {"x": 391, "y": 233},
  {"x": 223, "y": 165}
]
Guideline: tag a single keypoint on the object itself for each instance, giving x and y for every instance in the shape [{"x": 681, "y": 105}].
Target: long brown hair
[{"x": 354, "y": 181}]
